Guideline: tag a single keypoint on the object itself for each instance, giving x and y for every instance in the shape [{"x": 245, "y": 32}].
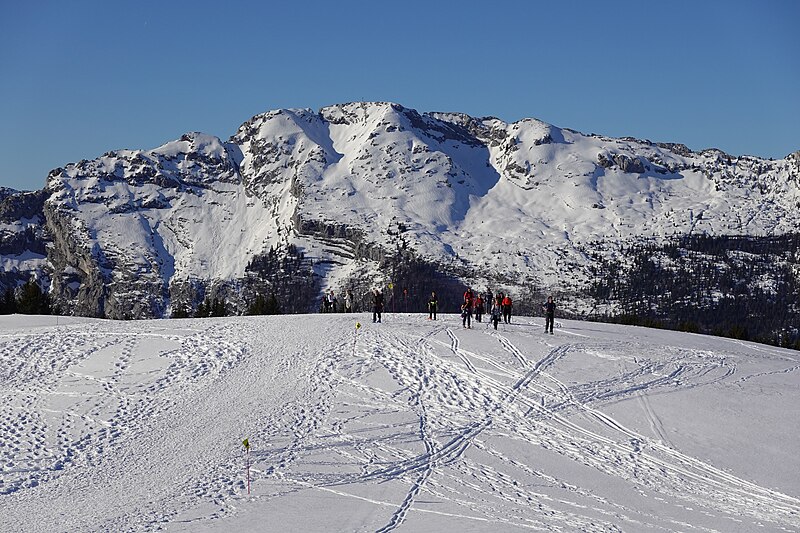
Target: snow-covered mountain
[
  {"x": 376, "y": 194},
  {"x": 409, "y": 425}
]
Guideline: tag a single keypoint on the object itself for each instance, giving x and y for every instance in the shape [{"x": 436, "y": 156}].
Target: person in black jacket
[
  {"x": 496, "y": 312},
  {"x": 549, "y": 314},
  {"x": 377, "y": 305},
  {"x": 433, "y": 303},
  {"x": 466, "y": 314}
]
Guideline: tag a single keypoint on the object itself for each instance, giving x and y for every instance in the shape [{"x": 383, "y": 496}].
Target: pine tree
[
  {"x": 32, "y": 301},
  {"x": 180, "y": 312},
  {"x": 264, "y": 306},
  {"x": 258, "y": 307},
  {"x": 273, "y": 307},
  {"x": 217, "y": 308},
  {"x": 8, "y": 305}
]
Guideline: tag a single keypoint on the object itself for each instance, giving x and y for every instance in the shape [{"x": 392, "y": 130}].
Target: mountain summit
[{"x": 366, "y": 194}]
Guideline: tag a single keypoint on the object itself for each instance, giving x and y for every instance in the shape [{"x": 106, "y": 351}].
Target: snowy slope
[
  {"x": 459, "y": 187},
  {"x": 409, "y": 425},
  {"x": 178, "y": 208}
]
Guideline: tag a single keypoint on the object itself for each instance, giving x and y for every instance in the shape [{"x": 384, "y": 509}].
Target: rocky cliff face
[
  {"x": 370, "y": 194},
  {"x": 23, "y": 238}
]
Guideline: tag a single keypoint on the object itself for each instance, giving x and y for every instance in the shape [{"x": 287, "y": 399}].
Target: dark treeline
[
  {"x": 27, "y": 300},
  {"x": 410, "y": 281},
  {"x": 280, "y": 282},
  {"x": 414, "y": 279},
  {"x": 732, "y": 286}
]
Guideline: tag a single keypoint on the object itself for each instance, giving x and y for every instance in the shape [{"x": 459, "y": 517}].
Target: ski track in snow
[{"x": 414, "y": 420}]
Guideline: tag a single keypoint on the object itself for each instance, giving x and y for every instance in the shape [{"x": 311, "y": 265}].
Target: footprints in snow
[
  {"x": 456, "y": 405},
  {"x": 85, "y": 392}
]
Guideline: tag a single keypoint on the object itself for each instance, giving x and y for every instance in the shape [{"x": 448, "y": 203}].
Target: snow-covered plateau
[{"x": 406, "y": 425}]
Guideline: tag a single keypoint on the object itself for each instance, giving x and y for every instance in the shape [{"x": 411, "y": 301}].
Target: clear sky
[{"x": 78, "y": 79}]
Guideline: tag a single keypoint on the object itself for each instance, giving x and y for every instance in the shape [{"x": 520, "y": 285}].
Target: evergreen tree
[
  {"x": 32, "y": 301},
  {"x": 264, "y": 306},
  {"x": 180, "y": 312},
  {"x": 217, "y": 308},
  {"x": 258, "y": 307},
  {"x": 8, "y": 305},
  {"x": 273, "y": 307}
]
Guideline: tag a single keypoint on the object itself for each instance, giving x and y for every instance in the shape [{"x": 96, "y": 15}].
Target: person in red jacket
[
  {"x": 479, "y": 310},
  {"x": 507, "y": 309}
]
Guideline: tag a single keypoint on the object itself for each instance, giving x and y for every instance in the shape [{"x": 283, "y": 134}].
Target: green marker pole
[
  {"x": 355, "y": 338},
  {"x": 246, "y": 444}
]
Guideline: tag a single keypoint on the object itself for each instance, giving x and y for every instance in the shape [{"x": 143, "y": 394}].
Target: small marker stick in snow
[
  {"x": 246, "y": 444},
  {"x": 355, "y": 337}
]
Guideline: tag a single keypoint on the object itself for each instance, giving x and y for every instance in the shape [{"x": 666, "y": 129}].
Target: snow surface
[{"x": 408, "y": 425}]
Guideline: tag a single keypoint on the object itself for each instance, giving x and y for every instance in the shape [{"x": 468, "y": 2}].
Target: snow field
[{"x": 408, "y": 425}]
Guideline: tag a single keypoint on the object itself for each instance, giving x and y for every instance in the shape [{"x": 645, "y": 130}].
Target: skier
[
  {"x": 549, "y": 314},
  {"x": 325, "y": 304},
  {"x": 348, "y": 302},
  {"x": 496, "y": 312},
  {"x": 478, "y": 308},
  {"x": 466, "y": 315},
  {"x": 468, "y": 297},
  {"x": 330, "y": 302},
  {"x": 506, "y": 302},
  {"x": 377, "y": 305},
  {"x": 432, "y": 305}
]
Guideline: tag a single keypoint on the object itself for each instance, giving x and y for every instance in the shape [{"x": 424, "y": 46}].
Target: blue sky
[{"x": 78, "y": 79}]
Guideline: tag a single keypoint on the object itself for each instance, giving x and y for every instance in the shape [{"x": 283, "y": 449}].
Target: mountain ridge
[{"x": 370, "y": 194}]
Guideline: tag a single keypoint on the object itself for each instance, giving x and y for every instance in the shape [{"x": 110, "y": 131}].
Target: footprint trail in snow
[{"x": 409, "y": 426}]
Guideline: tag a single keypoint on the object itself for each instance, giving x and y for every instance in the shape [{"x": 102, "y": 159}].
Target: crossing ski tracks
[{"x": 416, "y": 426}]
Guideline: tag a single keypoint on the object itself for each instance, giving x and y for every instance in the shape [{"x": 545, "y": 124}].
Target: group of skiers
[
  {"x": 473, "y": 304},
  {"x": 501, "y": 306},
  {"x": 330, "y": 303}
]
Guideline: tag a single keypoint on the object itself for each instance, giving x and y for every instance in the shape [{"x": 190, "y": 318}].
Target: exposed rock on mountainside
[{"x": 23, "y": 238}]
